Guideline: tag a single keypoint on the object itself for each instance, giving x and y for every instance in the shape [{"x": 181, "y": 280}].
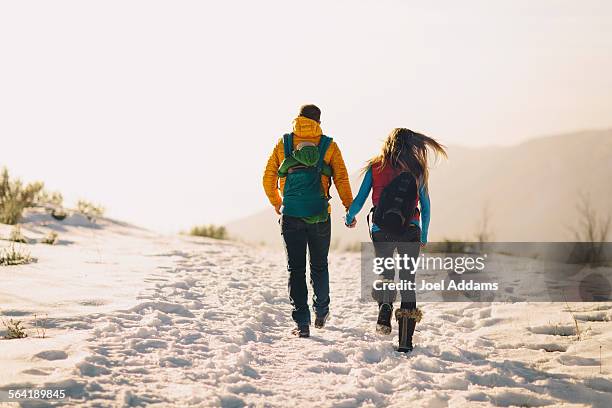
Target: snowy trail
[
  {"x": 210, "y": 328},
  {"x": 213, "y": 330}
]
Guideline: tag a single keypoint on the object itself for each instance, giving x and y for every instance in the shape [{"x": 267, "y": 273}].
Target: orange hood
[{"x": 305, "y": 128}]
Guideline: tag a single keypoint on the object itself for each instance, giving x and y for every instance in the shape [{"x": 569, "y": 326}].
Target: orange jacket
[{"x": 307, "y": 130}]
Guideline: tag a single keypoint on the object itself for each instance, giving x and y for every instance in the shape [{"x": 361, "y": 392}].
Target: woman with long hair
[{"x": 398, "y": 178}]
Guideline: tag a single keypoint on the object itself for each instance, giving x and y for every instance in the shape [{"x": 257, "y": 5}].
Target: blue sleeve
[
  {"x": 362, "y": 196},
  {"x": 425, "y": 212}
]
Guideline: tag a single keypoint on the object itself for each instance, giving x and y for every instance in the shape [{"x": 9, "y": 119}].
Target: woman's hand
[{"x": 352, "y": 224}]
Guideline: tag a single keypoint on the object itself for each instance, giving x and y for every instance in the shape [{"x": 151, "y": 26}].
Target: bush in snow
[
  {"x": 15, "y": 197},
  {"x": 41, "y": 326},
  {"x": 59, "y": 214},
  {"x": 50, "y": 238},
  {"x": 353, "y": 247},
  {"x": 14, "y": 329},
  {"x": 14, "y": 256},
  {"x": 448, "y": 246},
  {"x": 17, "y": 236},
  {"x": 593, "y": 229},
  {"x": 210, "y": 231},
  {"x": 90, "y": 210},
  {"x": 52, "y": 199},
  {"x": 484, "y": 233}
]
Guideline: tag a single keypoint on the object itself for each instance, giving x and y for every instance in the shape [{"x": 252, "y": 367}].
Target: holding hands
[{"x": 350, "y": 223}]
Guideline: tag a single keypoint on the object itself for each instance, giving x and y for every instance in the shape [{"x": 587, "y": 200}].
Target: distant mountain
[{"x": 527, "y": 192}]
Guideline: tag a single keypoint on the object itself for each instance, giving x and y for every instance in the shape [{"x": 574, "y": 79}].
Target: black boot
[
  {"x": 383, "y": 324},
  {"x": 321, "y": 320},
  {"x": 303, "y": 330},
  {"x": 407, "y": 320}
]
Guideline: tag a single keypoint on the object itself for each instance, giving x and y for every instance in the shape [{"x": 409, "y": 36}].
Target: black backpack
[{"x": 397, "y": 204}]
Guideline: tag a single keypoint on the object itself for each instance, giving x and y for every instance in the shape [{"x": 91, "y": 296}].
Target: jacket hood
[{"x": 306, "y": 128}]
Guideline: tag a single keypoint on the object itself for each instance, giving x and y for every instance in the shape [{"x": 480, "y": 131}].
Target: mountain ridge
[{"x": 527, "y": 192}]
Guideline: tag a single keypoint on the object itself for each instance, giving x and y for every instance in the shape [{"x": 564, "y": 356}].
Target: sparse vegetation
[
  {"x": 484, "y": 233},
  {"x": 334, "y": 244},
  {"x": 54, "y": 203},
  {"x": 53, "y": 199},
  {"x": 352, "y": 247},
  {"x": 59, "y": 214},
  {"x": 571, "y": 312},
  {"x": 210, "y": 231},
  {"x": 447, "y": 246},
  {"x": 50, "y": 239},
  {"x": 15, "y": 197},
  {"x": 593, "y": 229},
  {"x": 14, "y": 256},
  {"x": 14, "y": 329},
  {"x": 40, "y": 325},
  {"x": 90, "y": 210},
  {"x": 17, "y": 236}
]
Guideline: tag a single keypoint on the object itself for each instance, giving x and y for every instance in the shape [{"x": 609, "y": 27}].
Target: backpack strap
[
  {"x": 288, "y": 144},
  {"x": 368, "y": 218},
  {"x": 324, "y": 144}
]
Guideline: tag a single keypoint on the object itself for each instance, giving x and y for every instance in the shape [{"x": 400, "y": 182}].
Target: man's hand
[{"x": 277, "y": 208}]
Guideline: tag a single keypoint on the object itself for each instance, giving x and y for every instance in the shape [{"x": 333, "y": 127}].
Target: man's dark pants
[{"x": 300, "y": 236}]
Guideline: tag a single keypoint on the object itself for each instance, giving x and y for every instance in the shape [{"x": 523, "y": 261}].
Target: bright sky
[{"x": 165, "y": 112}]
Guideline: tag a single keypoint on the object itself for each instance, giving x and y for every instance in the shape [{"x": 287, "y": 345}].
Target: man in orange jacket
[{"x": 308, "y": 231}]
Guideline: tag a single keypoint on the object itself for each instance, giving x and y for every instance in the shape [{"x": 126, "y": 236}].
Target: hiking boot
[
  {"x": 302, "y": 330},
  {"x": 383, "y": 324},
  {"x": 320, "y": 321},
  {"x": 407, "y": 320}
]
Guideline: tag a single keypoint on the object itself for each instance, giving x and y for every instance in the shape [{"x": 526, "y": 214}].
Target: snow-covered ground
[{"x": 136, "y": 318}]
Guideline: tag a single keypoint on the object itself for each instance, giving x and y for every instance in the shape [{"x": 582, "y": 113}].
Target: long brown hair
[{"x": 408, "y": 151}]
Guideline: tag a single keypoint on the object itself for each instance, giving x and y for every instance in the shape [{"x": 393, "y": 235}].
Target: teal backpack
[{"x": 303, "y": 195}]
